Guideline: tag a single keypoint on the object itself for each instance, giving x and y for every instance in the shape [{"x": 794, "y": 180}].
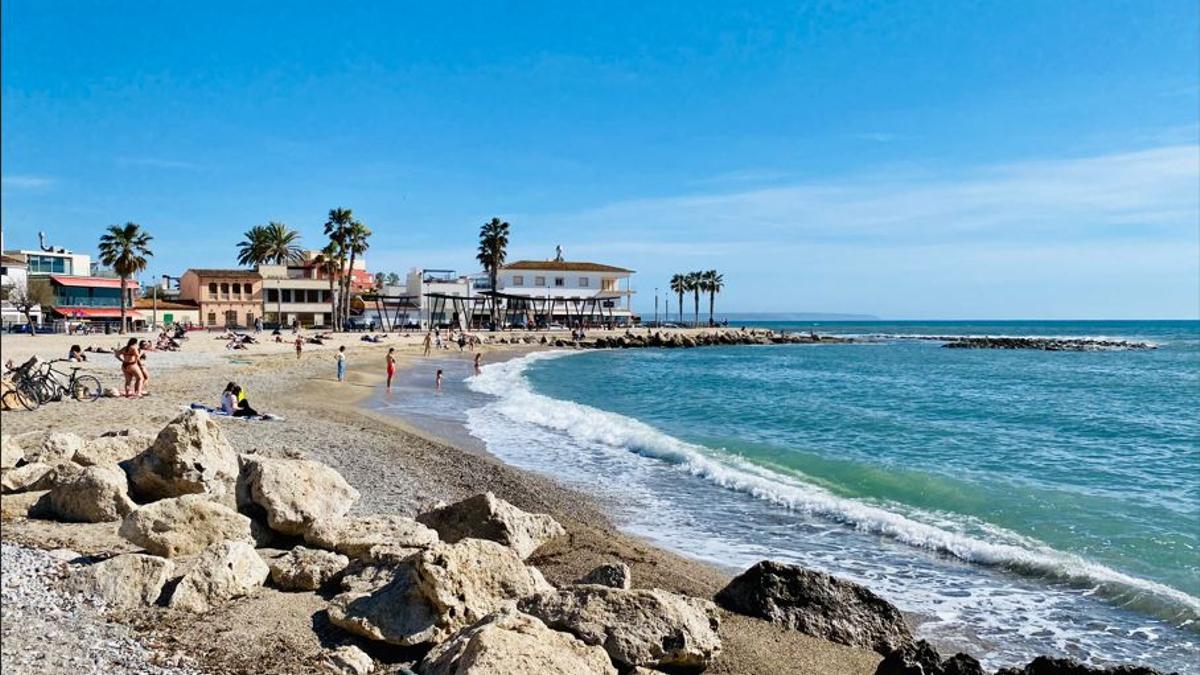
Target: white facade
[
  {"x": 561, "y": 282},
  {"x": 58, "y": 261},
  {"x": 421, "y": 281},
  {"x": 13, "y": 278}
]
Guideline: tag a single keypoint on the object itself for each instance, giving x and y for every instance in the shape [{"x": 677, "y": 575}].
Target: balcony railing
[{"x": 87, "y": 302}]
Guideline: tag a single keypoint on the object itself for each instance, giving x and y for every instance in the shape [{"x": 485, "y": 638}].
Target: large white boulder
[
  {"x": 189, "y": 456},
  {"x": 48, "y": 447},
  {"x": 184, "y": 525},
  {"x": 112, "y": 449},
  {"x": 231, "y": 569},
  {"x": 371, "y": 537},
  {"x": 35, "y": 476},
  {"x": 95, "y": 494},
  {"x": 486, "y": 516},
  {"x": 306, "y": 569},
  {"x": 125, "y": 581},
  {"x": 346, "y": 660},
  {"x": 511, "y": 642},
  {"x": 296, "y": 493},
  {"x": 639, "y": 627},
  {"x": 11, "y": 453},
  {"x": 437, "y": 592}
]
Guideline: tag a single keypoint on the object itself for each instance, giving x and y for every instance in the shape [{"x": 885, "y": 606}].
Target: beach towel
[{"x": 217, "y": 412}]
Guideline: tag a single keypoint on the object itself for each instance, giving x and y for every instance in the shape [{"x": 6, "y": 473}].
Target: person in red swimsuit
[{"x": 391, "y": 366}]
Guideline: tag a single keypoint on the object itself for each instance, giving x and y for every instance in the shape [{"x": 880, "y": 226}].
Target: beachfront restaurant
[{"x": 92, "y": 300}]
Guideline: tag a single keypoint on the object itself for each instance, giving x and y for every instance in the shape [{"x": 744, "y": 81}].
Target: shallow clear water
[{"x": 1019, "y": 502}]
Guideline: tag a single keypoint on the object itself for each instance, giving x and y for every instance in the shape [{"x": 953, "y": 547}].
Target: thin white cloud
[
  {"x": 1143, "y": 193},
  {"x": 155, "y": 163},
  {"x": 26, "y": 182},
  {"x": 877, "y": 136}
]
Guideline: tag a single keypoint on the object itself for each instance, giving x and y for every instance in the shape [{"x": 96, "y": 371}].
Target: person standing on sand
[
  {"x": 478, "y": 367},
  {"x": 428, "y": 342},
  {"x": 299, "y": 346},
  {"x": 341, "y": 363},
  {"x": 131, "y": 367},
  {"x": 391, "y": 366},
  {"x": 437, "y": 380}
]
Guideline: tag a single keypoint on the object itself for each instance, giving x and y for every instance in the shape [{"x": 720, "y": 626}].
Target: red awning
[
  {"x": 96, "y": 312},
  {"x": 91, "y": 282}
]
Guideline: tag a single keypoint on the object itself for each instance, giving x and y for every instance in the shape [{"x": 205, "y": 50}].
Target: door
[{"x": 230, "y": 319}]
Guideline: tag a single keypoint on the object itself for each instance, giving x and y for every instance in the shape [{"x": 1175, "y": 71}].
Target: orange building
[{"x": 226, "y": 298}]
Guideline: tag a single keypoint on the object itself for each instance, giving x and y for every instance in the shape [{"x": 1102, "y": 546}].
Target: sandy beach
[{"x": 397, "y": 468}]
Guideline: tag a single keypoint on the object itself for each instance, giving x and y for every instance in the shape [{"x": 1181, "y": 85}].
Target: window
[
  {"x": 287, "y": 295},
  {"x": 539, "y": 281},
  {"x": 48, "y": 264},
  {"x": 272, "y": 295},
  {"x": 237, "y": 291},
  {"x": 518, "y": 280},
  {"x": 608, "y": 284},
  {"x": 224, "y": 291},
  {"x": 248, "y": 289},
  {"x": 212, "y": 317},
  {"x": 583, "y": 282},
  {"x": 249, "y": 318},
  {"x": 212, "y": 291},
  {"x": 314, "y": 295},
  {"x": 559, "y": 282}
]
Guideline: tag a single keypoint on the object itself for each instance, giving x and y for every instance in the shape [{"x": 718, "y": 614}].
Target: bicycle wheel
[
  {"x": 47, "y": 391},
  {"x": 25, "y": 393},
  {"x": 86, "y": 388}
]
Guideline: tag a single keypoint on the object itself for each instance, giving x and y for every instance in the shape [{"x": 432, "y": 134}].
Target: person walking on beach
[
  {"x": 391, "y": 366},
  {"x": 478, "y": 367},
  {"x": 341, "y": 363},
  {"x": 131, "y": 367},
  {"x": 299, "y": 346},
  {"x": 428, "y": 342},
  {"x": 437, "y": 380}
]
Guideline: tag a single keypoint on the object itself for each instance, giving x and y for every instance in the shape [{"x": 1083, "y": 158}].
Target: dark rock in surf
[
  {"x": 1045, "y": 665},
  {"x": 921, "y": 658},
  {"x": 817, "y": 604}
]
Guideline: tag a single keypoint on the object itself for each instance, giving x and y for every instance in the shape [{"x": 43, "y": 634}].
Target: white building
[
  {"x": 13, "y": 279},
  {"x": 568, "y": 291},
  {"x": 421, "y": 282}
]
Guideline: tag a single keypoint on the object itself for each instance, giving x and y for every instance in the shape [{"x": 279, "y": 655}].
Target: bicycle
[
  {"x": 13, "y": 397},
  {"x": 80, "y": 387}
]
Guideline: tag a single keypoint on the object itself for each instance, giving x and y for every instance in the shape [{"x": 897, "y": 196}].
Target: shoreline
[{"x": 398, "y": 468}]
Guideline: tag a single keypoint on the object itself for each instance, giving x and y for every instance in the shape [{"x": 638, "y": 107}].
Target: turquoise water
[{"x": 1018, "y": 502}]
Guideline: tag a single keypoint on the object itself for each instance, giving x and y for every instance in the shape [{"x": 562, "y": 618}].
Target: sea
[{"x": 1012, "y": 503}]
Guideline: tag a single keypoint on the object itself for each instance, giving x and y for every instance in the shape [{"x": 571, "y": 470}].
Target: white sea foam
[{"x": 516, "y": 401}]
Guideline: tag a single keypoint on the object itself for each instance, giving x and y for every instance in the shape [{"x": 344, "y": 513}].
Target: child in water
[
  {"x": 438, "y": 379},
  {"x": 391, "y": 366}
]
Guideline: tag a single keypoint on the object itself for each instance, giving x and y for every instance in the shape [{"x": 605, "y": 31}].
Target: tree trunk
[
  {"x": 123, "y": 280},
  {"x": 28, "y": 312},
  {"x": 696, "y": 305},
  {"x": 681, "y": 307},
  {"x": 332, "y": 303},
  {"x": 712, "y": 301},
  {"x": 346, "y": 295},
  {"x": 495, "y": 309}
]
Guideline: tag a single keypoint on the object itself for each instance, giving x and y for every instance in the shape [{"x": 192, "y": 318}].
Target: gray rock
[
  {"x": 433, "y": 594},
  {"x": 112, "y": 449},
  {"x": 1045, "y": 665},
  {"x": 347, "y": 659},
  {"x": 48, "y": 447},
  {"x": 125, "y": 581},
  {"x": 640, "y": 627},
  {"x": 511, "y": 642},
  {"x": 486, "y": 516},
  {"x": 817, "y": 604},
  {"x": 296, "y": 494},
  {"x": 26, "y": 478},
  {"x": 613, "y": 575},
  {"x": 223, "y": 571},
  {"x": 184, "y": 525},
  {"x": 189, "y": 456},
  {"x": 94, "y": 495},
  {"x": 306, "y": 569},
  {"x": 379, "y": 538}
]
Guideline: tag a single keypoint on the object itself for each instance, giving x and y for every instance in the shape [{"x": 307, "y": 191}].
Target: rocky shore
[
  {"x": 679, "y": 340},
  {"x": 1042, "y": 343}
]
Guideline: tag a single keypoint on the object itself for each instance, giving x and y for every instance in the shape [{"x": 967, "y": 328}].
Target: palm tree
[
  {"x": 273, "y": 243},
  {"x": 679, "y": 286},
  {"x": 493, "y": 246},
  {"x": 337, "y": 228},
  {"x": 326, "y": 261},
  {"x": 356, "y": 243},
  {"x": 251, "y": 247},
  {"x": 713, "y": 284},
  {"x": 125, "y": 249},
  {"x": 693, "y": 285}
]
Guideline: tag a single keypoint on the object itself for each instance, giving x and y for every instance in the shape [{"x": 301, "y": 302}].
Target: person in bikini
[
  {"x": 130, "y": 358},
  {"x": 391, "y": 366}
]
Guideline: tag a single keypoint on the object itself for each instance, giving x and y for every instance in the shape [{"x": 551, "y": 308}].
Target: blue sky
[{"x": 910, "y": 160}]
